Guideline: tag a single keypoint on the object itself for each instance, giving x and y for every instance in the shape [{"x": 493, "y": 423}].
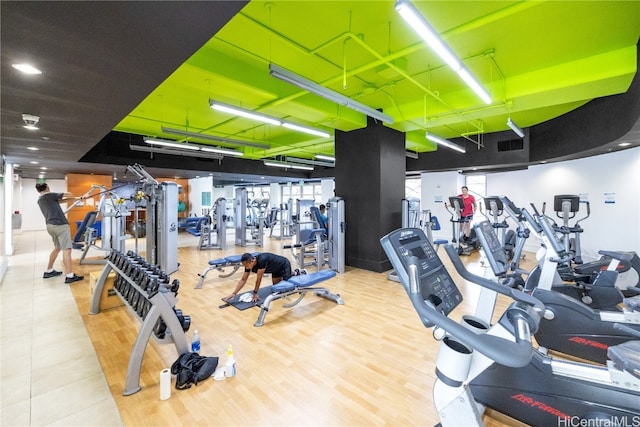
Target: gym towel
[{"x": 241, "y": 305}]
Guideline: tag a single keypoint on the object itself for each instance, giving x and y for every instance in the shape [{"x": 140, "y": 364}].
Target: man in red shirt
[{"x": 467, "y": 213}]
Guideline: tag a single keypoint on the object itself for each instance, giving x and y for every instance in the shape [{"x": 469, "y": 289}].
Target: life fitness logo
[
  {"x": 590, "y": 343},
  {"x": 523, "y": 398},
  {"x": 172, "y": 227}
]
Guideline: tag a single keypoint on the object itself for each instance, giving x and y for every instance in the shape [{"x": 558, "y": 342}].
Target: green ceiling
[{"x": 538, "y": 60}]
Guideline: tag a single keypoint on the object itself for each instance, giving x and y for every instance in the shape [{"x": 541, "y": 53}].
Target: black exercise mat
[{"x": 240, "y": 305}]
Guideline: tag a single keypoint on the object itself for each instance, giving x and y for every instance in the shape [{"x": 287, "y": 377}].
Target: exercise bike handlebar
[
  {"x": 508, "y": 353},
  {"x": 512, "y": 293}
]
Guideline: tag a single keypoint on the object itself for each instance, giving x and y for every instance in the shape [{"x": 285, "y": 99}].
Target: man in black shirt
[
  {"x": 58, "y": 229},
  {"x": 278, "y": 266}
]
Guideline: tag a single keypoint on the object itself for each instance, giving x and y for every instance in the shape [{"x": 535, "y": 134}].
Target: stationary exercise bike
[
  {"x": 455, "y": 208},
  {"x": 494, "y": 365}
]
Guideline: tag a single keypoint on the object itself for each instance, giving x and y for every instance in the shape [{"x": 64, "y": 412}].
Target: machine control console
[{"x": 408, "y": 246}]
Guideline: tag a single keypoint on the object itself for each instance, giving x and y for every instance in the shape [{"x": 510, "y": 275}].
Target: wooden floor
[{"x": 367, "y": 362}]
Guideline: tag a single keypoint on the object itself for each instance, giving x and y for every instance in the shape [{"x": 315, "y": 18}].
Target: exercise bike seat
[{"x": 626, "y": 356}]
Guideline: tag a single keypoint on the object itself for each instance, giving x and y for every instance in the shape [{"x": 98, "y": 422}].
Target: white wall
[
  {"x": 32, "y": 218},
  {"x": 196, "y": 187},
  {"x": 328, "y": 188},
  {"x": 611, "y": 226},
  {"x": 435, "y": 190}
]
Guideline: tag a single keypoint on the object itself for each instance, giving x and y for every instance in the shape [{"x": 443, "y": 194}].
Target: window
[
  {"x": 413, "y": 187},
  {"x": 478, "y": 189}
]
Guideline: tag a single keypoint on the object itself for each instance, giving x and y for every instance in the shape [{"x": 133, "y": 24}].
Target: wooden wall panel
[{"x": 78, "y": 185}]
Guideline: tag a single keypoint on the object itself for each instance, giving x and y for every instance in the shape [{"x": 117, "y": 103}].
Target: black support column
[{"x": 370, "y": 177}]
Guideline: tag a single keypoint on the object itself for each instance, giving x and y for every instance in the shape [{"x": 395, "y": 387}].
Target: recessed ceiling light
[
  {"x": 33, "y": 162},
  {"x": 624, "y": 144},
  {"x": 33, "y": 148},
  {"x": 26, "y": 68},
  {"x": 44, "y": 168}
]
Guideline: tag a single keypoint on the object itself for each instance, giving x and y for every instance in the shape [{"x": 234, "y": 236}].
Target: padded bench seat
[
  {"x": 300, "y": 285},
  {"x": 219, "y": 264},
  {"x": 303, "y": 281}
]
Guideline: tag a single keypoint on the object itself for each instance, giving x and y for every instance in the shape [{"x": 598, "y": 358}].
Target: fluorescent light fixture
[
  {"x": 445, "y": 142},
  {"x": 193, "y": 147},
  {"x": 172, "y": 144},
  {"x": 226, "y": 108},
  {"x": 179, "y": 132},
  {"x": 219, "y": 106},
  {"x": 514, "y": 127},
  {"x": 309, "y": 162},
  {"x": 227, "y": 151},
  {"x": 305, "y": 129},
  {"x": 161, "y": 150},
  {"x": 325, "y": 157},
  {"x": 286, "y": 165},
  {"x": 411, "y": 154},
  {"x": 420, "y": 25},
  {"x": 26, "y": 68},
  {"x": 624, "y": 144},
  {"x": 313, "y": 87}
]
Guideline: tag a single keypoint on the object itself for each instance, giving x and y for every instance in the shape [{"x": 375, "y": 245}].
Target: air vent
[{"x": 511, "y": 145}]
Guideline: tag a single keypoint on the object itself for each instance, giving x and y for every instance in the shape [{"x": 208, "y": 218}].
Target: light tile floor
[{"x": 49, "y": 372}]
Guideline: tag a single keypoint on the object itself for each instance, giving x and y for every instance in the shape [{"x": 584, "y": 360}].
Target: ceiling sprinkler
[{"x": 30, "y": 121}]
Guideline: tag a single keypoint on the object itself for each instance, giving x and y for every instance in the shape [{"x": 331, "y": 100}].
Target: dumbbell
[
  {"x": 160, "y": 329},
  {"x": 175, "y": 285}
]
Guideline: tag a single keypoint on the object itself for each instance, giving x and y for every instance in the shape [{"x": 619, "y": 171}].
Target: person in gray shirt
[{"x": 58, "y": 229}]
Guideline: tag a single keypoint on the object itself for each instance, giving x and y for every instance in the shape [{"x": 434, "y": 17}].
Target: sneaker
[
  {"x": 296, "y": 272},
  {"x": 75, "y": 278},
  {"x": 303, "y": 271},
  {"x": 50, "y": 274}
]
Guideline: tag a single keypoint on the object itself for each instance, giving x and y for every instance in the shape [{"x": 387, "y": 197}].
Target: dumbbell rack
[{"x": 160, "y": 308}]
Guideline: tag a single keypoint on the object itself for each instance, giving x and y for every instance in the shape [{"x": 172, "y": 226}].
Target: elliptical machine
[
  {"x": 495, "y": 208},
  {"x": 455, "y": 208},
  {"x": 494, "y": 365},
  {"x": 566, "y": 207},
  {"x": 576, "y": 270},
  {"x": 569, "y": 325}
]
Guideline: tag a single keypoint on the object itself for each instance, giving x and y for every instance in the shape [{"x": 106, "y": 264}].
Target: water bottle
[
  {"x": 230, "y": 364},
  {"x": 195, "y": 342}
]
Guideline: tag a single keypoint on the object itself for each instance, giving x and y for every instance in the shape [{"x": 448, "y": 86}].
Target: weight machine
[
  {"x": 161, "y": 219},
  {"x": 336, "y": 233},
  {"x": 281, "y": 218},
  {"x": 246, "y": 221},
  {"x": 112, "y": 215},
  {"x": 307, "y": 233},
  {"x": 213, "y": 233}
]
